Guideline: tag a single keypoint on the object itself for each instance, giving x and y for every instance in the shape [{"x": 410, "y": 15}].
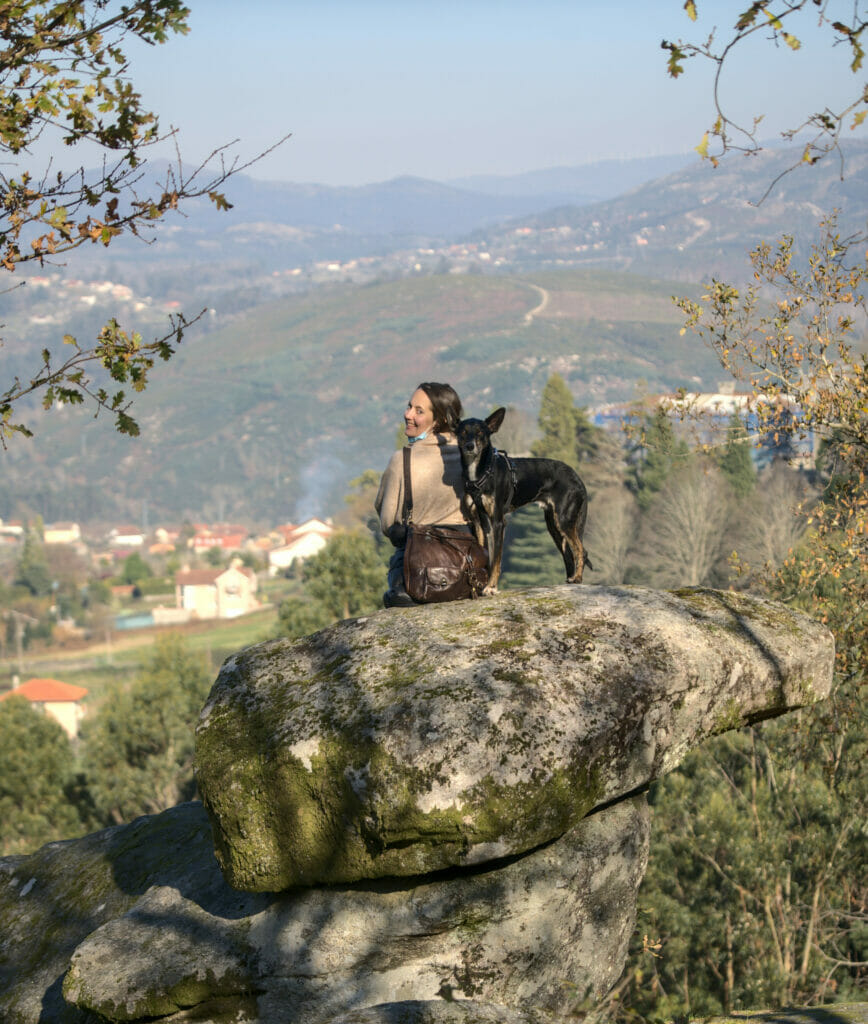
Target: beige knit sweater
[{"x": 435, "y": 475}]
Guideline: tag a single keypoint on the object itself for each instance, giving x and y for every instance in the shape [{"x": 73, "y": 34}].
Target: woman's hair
[{"x": 445, "y": 404}]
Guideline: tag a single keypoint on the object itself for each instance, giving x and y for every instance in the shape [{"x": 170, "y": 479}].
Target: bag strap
[{"x": 407, "y": 508}]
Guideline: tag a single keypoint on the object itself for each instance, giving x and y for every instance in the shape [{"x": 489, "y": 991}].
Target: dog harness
[{"x": 474, "y": 487}]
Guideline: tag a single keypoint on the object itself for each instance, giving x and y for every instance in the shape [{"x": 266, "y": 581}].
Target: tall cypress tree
[
  {"x": 567, "y": 434},
  {"x": 530, "y": 555}
]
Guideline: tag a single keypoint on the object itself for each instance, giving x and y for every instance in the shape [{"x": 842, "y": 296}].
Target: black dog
[{"x": 495, "y": 485}]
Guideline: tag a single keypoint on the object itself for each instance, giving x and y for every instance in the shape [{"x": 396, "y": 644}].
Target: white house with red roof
[
  {"x": 11, "y": 532},
  {"x": 126, "y": 537},
  {"x": 226, "y": 537},
  {"x": 61, "y": 533},
  {"x": 217, "y": 593},
  {"x": 300, "y": 542},
  {"x": 60, "y": 700}
]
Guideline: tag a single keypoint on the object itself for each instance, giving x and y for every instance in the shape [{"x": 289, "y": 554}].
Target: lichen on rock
[
  {"x": 187, "y": 946},
  {"x": 444, "y": 736},
  {"x": 430, "y": 816}
]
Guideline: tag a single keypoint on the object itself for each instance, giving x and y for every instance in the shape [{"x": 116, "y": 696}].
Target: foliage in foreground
[
  {"x": 842, "y": 21},
  {"x": 138, "y": 746},
  {"x": 757, "y": 894},
  {"x": 37, "y": 778},
  {"x": 64, "y": 78}
]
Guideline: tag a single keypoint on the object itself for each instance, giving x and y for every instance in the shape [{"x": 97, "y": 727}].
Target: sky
[{"x": 442, "y": 89}]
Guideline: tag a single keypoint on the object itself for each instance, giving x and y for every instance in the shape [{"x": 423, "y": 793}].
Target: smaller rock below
[{"x": 174, "y": 955}]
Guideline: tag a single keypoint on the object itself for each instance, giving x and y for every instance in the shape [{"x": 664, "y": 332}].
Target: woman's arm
[{"x": 390, "y": 500}]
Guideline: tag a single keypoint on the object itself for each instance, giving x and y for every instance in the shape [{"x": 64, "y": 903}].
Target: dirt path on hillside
[{"x": 544, "y": 301}]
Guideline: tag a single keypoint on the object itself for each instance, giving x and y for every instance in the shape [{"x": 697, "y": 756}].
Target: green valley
[{"x": 273, "y": 414}]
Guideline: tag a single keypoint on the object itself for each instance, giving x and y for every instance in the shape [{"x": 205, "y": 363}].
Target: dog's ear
[{"x": 495, "y": 420}]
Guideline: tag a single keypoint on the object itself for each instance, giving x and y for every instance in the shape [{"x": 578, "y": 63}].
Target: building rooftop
[{"x": 45, "y": 691}]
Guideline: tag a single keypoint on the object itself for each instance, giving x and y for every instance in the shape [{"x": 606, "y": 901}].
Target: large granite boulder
[
  {"x": 431, "y": 816},
  {"x": 450, "y": 736},
  {"x": 137, "y": 923}
]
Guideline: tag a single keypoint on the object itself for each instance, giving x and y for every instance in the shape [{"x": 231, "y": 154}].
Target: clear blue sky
[{"x": 446, "y": 88}]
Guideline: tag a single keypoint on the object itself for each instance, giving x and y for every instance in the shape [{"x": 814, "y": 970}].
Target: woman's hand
[{"x": 397, "y": 534}]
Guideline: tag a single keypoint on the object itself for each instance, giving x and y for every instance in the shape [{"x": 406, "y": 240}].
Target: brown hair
[{"x": 445, "y": 404}]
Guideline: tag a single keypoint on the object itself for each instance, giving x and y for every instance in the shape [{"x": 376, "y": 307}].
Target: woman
[{"x": 430, "y": 420}]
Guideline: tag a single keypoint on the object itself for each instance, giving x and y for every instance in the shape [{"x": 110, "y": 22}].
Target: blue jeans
[{"x": 395, "y": 577}]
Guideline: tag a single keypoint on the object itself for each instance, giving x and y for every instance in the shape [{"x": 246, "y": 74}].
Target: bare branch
[{"x": 827, "y": 124}]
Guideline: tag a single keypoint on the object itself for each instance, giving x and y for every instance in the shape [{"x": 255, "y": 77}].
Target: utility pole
[{"x": 20, "y": 620}]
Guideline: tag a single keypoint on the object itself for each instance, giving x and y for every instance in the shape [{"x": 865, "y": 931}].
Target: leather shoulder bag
[{"x": 441, "y": 563}]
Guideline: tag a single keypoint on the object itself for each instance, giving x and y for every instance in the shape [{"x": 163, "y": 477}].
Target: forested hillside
[
  {"x": 291, "y": 383},
  {"x": 273, "y": 415}
]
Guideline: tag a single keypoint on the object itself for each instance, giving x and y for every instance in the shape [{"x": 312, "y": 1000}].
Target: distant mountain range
[
  {"x": 681, "y": 207},
  {"x": 298, "y": 223},
  {"x": 589, "y": 183},
  {"x": 278, "y": 399},
  {"x": 696, "y": 222}
]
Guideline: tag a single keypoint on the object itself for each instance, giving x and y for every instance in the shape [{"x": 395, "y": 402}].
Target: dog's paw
[{"x": 489, "y": 591}]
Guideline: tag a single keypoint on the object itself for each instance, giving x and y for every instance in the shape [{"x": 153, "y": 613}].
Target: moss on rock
[{"x": 397, "y": 745}]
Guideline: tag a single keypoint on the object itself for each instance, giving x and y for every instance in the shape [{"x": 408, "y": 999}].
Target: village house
[
  {"x": 60, "y": 700},
  {"x": 126, "y": 537},
  {"x": 217, "y": 593},
  {"x": 61, "y": 533},
  {"x": 165, "y": 541},
  {"x": 226, "y": 538},
  {"x": 160, "y": 548},
  {"x": 11, "y": 532},
  {"x": 299, "y": 542}
]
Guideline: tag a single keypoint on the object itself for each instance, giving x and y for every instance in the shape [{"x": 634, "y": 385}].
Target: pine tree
[
  {"x": 530, "y": 556},
  {"x": 557, "y": 421},
  {"x": 735, "y": 460},
  {"x": 138, "y": 747},
  {"x": 588, "y": 438},
  {"x": 656, "y": 456},
  {"x": 347, "y": 577},
  {"x": 32, "y": 570}
]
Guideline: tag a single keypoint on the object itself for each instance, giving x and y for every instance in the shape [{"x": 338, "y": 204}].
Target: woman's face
[{"x": 418, "y": 416}]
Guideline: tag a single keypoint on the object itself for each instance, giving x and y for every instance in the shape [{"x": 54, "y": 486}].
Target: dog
[{"x": 495, "y": 485}]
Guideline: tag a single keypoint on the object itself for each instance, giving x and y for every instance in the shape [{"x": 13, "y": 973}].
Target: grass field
[{"x": 120, "y": 657}]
